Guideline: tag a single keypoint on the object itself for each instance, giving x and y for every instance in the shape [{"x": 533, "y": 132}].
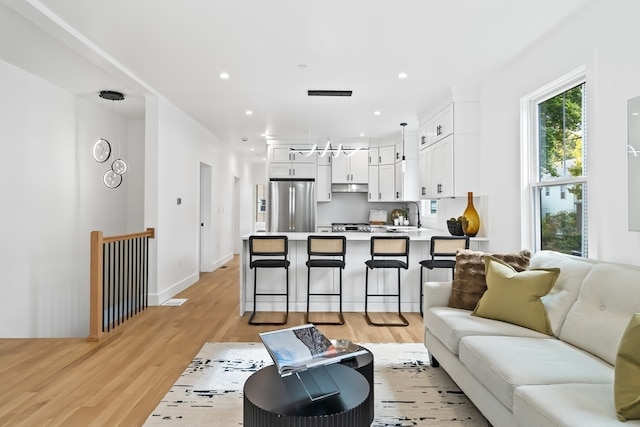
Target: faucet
[{"x": 418, "y": 209}]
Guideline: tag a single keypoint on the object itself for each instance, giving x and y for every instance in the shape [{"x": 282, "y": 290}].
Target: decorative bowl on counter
[{"x": 455, "y": 227}]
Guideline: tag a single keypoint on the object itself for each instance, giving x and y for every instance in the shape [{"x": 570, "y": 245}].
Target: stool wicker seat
[
  {"x": 385, "y": 251},
  {"x": 272, "y": 251},
  {"x": 325, "y": 252}
]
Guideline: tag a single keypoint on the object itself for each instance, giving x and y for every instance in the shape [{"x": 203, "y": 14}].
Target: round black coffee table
[
  {"x": 271, "y": 400},
  {"x": 362, "y": 363}
]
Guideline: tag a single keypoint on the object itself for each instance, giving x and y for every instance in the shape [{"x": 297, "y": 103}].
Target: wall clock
[{"x": 101, "y": 150}]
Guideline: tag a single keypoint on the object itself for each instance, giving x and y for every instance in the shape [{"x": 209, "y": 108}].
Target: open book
[{"x": 303, "y": 347}]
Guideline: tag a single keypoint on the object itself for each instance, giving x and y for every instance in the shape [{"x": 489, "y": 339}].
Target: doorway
[
  {"x": 205, "y": 218},
  {"x": 236, "y": 216}
]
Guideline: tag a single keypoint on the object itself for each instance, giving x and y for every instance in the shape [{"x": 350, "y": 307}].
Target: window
[{"x": 554, "y": 143}]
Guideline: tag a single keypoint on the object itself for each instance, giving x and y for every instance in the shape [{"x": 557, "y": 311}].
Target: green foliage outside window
[{"x": 560, "y": 144}]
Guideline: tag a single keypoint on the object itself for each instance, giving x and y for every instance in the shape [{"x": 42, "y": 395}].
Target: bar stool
[
  {"x": 323, "y": 252},
  {"x": 442, "y": 246},
  {"x": 269, "y": 247},
  {"x": 386, "y": 246}
]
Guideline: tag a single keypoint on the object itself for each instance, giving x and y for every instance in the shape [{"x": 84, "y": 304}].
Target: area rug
[{"x": 408, "y": 392}]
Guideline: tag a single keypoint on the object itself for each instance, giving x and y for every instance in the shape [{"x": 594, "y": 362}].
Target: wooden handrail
[
  {"x": 150, "y": 233},
  {"x": 96, "y": 297}
]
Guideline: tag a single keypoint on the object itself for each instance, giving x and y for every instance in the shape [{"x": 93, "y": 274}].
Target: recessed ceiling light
[
  {"x": 403, "y": 75},
  {"x": 376, "y": 113},
  {"x": 224, "y": 76},
  {"x": 248, "y": 112},
  {"x": 362, "y": 134},
  {"x": 253, "y": 149}
]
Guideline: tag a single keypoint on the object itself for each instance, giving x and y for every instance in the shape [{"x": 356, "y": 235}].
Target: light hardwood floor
[{"x": 119, "y": 381}]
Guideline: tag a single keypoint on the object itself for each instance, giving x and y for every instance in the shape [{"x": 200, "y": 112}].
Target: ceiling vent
[{"x": 329, "y": 92}]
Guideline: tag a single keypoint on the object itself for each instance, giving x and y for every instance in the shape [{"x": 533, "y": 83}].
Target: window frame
[{"x": 530, "y": 182}]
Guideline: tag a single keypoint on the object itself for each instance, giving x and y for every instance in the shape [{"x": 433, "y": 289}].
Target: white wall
[
  {"x": 182, "y": 144},
  {"x": 605, "y": 38},
  {"x": 52, "y": 197}
]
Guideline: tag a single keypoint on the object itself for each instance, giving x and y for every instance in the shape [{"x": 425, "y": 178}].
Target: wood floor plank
[{"x": 120, "y": 380}]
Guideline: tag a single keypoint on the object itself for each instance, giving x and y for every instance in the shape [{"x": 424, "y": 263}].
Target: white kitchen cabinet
[
  {"x": 324, "y": 160},
  {"x": 284, "y": 163},
  {"x": 387, "y": 154},
  {"x": 374, "y": 192},
  {"x": 448, "y": 159},
  {"x": 423, "y": 169},
  {"x": 283, "y": 154},
  {"x": 323, "y": 183},
  {"x": 374, "y": 156},
  {"x": 406, "y": 181},
  {"x": 439, "y": 162},
  {"x": 439, "y": 125},
  {"x": 353, "y": 169},
  {"x": 444, "y": 167},
  {"x": 398, "y": 181},
  {"x": 386, "y": 183},
  {"x": 292, "y": 170}
]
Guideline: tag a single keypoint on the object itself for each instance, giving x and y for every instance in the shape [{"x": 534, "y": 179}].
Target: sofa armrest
[{"x": 436, "y": 294}]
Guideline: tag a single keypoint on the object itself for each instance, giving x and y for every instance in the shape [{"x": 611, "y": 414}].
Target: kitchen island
[{"x": 325, "y": 280}]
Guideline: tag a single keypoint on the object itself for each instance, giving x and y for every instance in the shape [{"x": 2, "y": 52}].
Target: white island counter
[{"x": 325, "y": 280}]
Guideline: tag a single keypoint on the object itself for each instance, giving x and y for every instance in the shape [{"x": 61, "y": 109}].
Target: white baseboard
[{"x": 157, "y": 299}]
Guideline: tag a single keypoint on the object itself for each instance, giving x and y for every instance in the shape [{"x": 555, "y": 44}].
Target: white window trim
[{"x": 528, "y": 150}]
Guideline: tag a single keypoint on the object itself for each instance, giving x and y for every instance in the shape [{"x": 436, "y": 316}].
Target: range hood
[{"x": 349, "y": 188}]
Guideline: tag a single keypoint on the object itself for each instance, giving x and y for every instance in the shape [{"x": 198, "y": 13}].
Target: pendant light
[{"x": 113, "y": 177}]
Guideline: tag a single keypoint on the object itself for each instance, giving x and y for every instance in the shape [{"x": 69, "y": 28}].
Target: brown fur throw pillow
[{"x": 469, "y": 281}]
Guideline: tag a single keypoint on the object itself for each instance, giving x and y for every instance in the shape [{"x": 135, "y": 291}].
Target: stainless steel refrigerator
[{"x": 292, "y": 205}]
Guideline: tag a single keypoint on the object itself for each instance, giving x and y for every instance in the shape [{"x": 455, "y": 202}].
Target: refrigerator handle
[{"x": 292, "y": 207}]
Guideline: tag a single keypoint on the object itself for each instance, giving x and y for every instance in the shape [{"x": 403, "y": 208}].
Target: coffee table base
[{"x": 270, "y": 400}]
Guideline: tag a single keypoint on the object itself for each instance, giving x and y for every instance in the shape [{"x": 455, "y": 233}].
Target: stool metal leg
[
  {"x": 404, "y": 321},
  {"x": 255, "y": 300},
  {"x": 340, "y": 315},
  {"x": 421, "y": 291}
]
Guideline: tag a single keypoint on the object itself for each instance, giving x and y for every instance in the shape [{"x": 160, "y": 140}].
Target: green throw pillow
[
  {"x": 626, "y": 383},
  {"x": 514, "y": 297}
]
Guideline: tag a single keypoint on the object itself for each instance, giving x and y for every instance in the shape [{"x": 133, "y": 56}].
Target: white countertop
[{"x": 417, "y": 234}]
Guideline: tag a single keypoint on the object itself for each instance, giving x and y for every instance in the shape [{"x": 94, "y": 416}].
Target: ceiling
[{"x": 274, "y": 51}]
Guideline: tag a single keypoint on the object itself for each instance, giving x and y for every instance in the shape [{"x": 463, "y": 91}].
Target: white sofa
[{"x": 520, "y": 377}]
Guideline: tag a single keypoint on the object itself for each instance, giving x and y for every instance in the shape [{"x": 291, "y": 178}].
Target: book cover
[{"x": 302, "y": 347}]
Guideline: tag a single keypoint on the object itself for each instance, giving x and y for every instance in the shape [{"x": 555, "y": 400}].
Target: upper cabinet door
[
  {"x": 352, "y": 169},
  {"x": 340, "y": 170},
  {"x": 374, "y": 156},
  {"x": 280, "y": 155},
  {"x": 387, "y": 155},
  {"x": 374, "y": 192},
  {"x": 359, "y": 165},
  {"x": 443, "y": 123}
]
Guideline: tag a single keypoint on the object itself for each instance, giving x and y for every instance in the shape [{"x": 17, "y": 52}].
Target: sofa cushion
[
  {"x": 566, "y": 405},
  {"x": 609, "y": 296},
  {"x": 469, "y": 280},
  {"x": 502, "y": 364},
  {"x": 515, "y": 297},
  {"x": 564, "y": 293},
  {"x": 626, "y": 385},
  {"x": 449, "y": 325}
]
